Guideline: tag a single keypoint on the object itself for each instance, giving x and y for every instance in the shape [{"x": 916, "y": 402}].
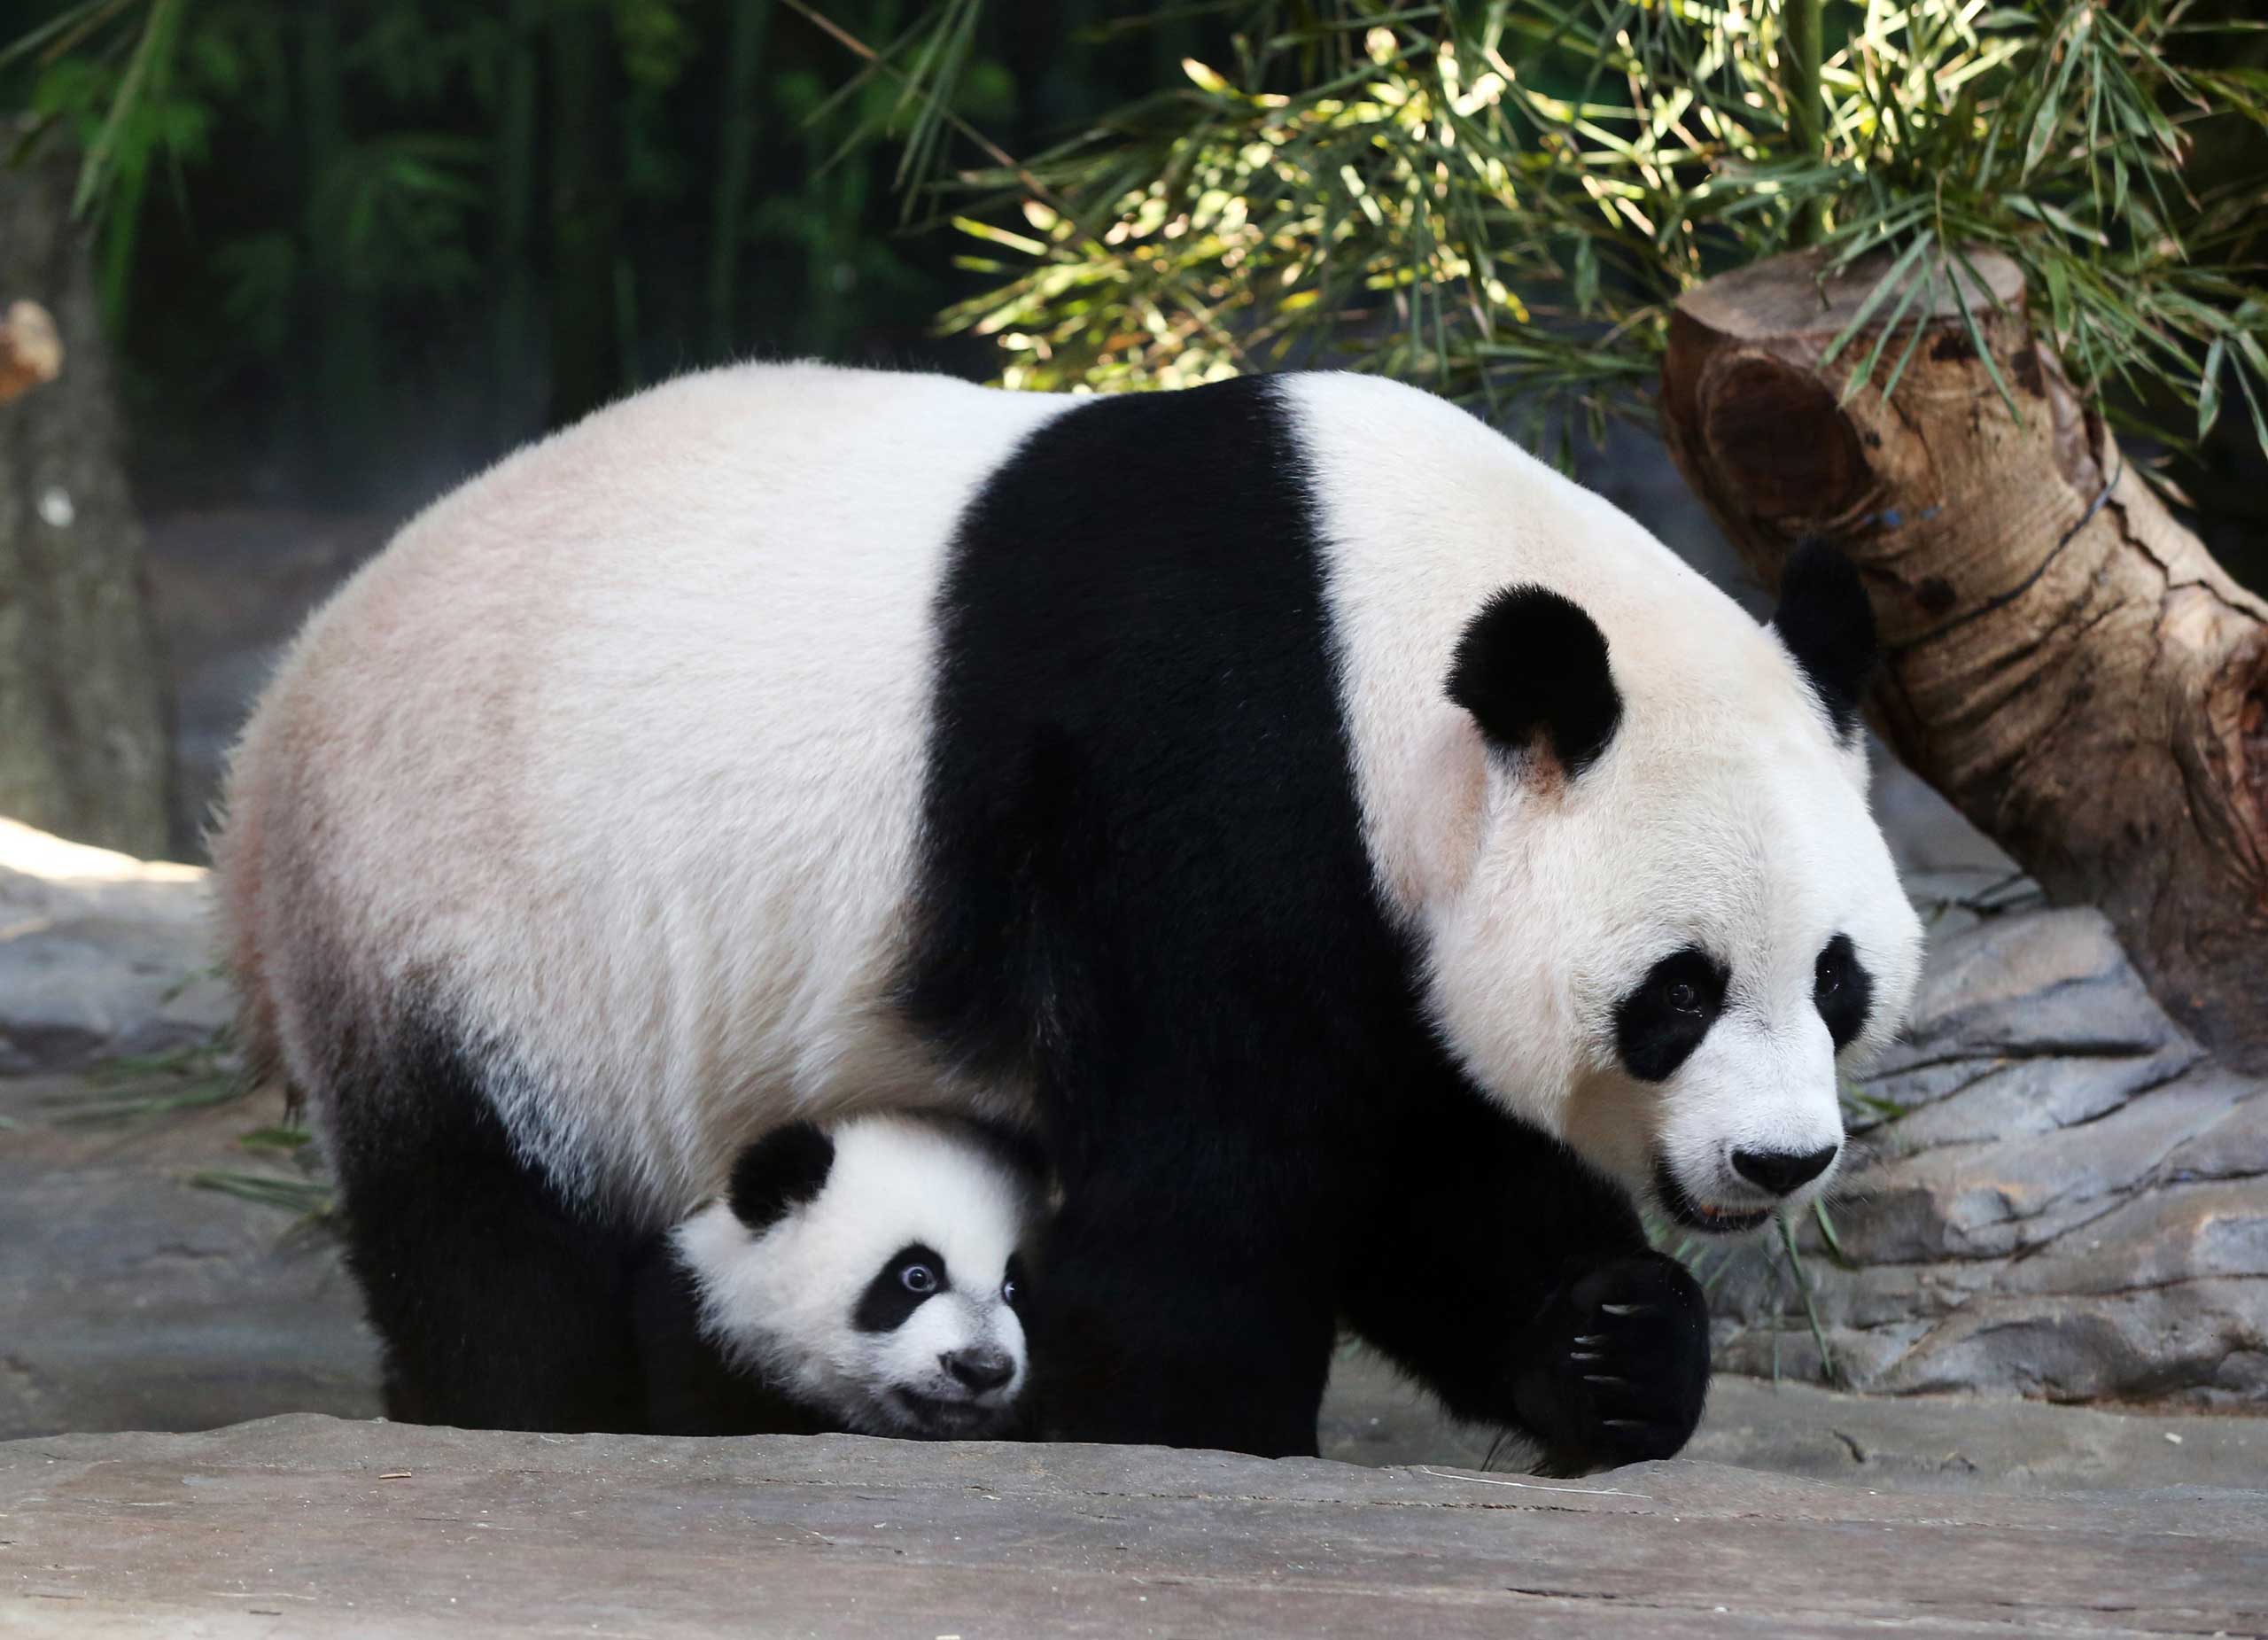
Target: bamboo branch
[{"x": 1801, "y": 51}]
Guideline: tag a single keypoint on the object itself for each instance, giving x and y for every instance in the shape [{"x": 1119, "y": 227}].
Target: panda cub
[{"x": 865, "y": 1277}]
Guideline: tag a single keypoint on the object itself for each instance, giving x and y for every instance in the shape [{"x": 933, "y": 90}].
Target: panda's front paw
[{"x": 1615, "y": 1369}]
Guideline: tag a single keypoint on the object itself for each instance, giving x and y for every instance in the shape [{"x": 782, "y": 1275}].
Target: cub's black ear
[
  {"x": 1828, "y": 623},
  {"x": 778, "y": 1173},
  {"x": 1531, "y": 660}
]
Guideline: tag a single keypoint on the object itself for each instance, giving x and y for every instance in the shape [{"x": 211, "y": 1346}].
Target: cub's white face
[
  {"x": 1666, "y": 923},
  {"x": 887, "y": 1300}
]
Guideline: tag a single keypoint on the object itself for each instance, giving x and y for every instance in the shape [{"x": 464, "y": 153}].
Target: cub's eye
[
  {"x": 1682, "y": 997},
  {"x": 1008, "y": 1292},
  {"x": 917, "y": 1278}
]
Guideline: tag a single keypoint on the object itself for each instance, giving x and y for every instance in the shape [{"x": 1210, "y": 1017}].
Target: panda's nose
[
  {"x": 1783, "y": 1172},
  {"x": 980, "y": 1369}
]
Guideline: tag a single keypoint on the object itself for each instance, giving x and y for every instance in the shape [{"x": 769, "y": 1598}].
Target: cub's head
[
  {"x": 873, "y": 1270},
  {"x": 1663, "y": 921}
]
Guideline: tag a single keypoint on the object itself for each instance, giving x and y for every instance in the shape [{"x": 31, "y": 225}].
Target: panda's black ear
[
  {"x": 1828, "y": 623},
  {"x": 778, "y": 1173},
  {"x": 1532, "y": 661}
]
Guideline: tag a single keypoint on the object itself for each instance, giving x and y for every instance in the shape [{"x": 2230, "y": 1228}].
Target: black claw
[
  {"x": 1602, "y": 1378},
  {"x": 1625, "y": 1309},
  {"x": 1625, "y": 1423},
  {"x": 1588, "y": 1338},
  {"x": 1586, "y": 1355}
]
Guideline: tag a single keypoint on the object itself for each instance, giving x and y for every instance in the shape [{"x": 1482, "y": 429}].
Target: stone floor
[{"x": 306, "y": 1525}]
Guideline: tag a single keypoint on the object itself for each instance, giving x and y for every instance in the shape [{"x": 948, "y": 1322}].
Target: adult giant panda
[{"x": 1371, "y": 862}]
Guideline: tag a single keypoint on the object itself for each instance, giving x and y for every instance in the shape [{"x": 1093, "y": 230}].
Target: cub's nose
[
  {"x": 980, "y": 1369},
  {"x": 1783, "y": 1172}
]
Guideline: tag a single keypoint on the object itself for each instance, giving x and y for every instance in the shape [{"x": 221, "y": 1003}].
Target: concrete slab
[{"x": 308, "y": 1526}]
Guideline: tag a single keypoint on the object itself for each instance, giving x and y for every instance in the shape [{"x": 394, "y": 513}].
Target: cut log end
[{"x": 31, "y": 350}]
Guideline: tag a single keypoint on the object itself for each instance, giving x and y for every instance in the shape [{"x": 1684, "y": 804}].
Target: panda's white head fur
[
  {"x": 871, "y": 1270},
  {"x": 1667, "y": 923}
]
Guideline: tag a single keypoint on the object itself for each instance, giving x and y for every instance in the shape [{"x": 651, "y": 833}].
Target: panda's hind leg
[{"x": 497, "y": 1305}]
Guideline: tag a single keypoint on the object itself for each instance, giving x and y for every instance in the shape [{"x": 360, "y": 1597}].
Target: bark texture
[
  {"x": 83, "y": 742},
  {"x": 2064, "y": 660}
]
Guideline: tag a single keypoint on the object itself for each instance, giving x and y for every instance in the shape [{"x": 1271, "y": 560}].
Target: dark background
[{"x": 354, "y": 249}]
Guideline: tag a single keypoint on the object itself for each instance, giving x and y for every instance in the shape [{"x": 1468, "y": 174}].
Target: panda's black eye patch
[
  {"x": 913, "y": 1276},
  {"x": 1666, "y": 1013},
  {"x": 1843, "y": 991}
]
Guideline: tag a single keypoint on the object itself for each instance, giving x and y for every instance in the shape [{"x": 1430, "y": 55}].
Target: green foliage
[
  {"x": 1501, "y": 200},
  {"x": 310, "y": 1202},
  {"x": 332, "y": 228},
  {"x": 308, "y": 1196},
  {"x": 132, "y": 1086}
]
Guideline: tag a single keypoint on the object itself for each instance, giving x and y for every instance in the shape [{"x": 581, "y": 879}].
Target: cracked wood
[{"x": 2065, "y": 661}]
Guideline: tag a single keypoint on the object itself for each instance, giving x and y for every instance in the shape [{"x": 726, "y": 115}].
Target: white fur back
[
  {"x": 626, "y": 738},
  {"x": 623, "y": 743}
]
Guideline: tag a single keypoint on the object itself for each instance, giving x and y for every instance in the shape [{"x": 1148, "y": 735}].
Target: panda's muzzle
[{"x": 1680, "y": 1204}]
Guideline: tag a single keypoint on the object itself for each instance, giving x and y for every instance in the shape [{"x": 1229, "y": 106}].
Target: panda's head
[
  {"x": 1667, "y": 921},
  {"x": 873, "y": 1270}
]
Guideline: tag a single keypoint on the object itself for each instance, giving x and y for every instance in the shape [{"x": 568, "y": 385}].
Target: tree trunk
[
  {"x": 2064, "y": 660},
  {"x": 82, "y": 740}
]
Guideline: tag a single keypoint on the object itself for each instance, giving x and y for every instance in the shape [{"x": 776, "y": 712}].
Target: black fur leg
[
  {"x": 1517, "y": 1285},
  {"x": 498, "y": 1309},
  {"x": 1164, "y": 1341},
  {"x": 1616, "y": 1368}
]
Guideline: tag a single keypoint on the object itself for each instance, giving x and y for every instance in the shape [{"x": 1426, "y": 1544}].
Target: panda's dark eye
[
  {"x": 1665, "y": 1016},
  {"x": 913, "y": 1274},
  {"x": 1842, "y": 990},
  {"x": 1012, "y": 1284}
]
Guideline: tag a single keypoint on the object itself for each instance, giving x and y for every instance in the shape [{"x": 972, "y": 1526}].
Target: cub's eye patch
[
  {"x": 1842, "y": 990},
  {"x": 1665, "y": 1016},
  {"x": 909, "y": 1278}
]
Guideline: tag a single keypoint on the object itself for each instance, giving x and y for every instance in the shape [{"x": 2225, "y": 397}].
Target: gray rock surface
[
  {"x": 2053, "y": 1192},
  {"x": 316, "y": 1527},
  {"x": 308, "y": 1526},
  {"x": 132, "y": 1298},
  {"x": 1936, "y": 1443},
  {"x": 100, "y": 954}
]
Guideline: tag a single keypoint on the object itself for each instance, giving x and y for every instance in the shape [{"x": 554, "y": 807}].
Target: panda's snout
[
  {"x": 985, "y": 1367},
  {"x": 1783, "y": 1172}
]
